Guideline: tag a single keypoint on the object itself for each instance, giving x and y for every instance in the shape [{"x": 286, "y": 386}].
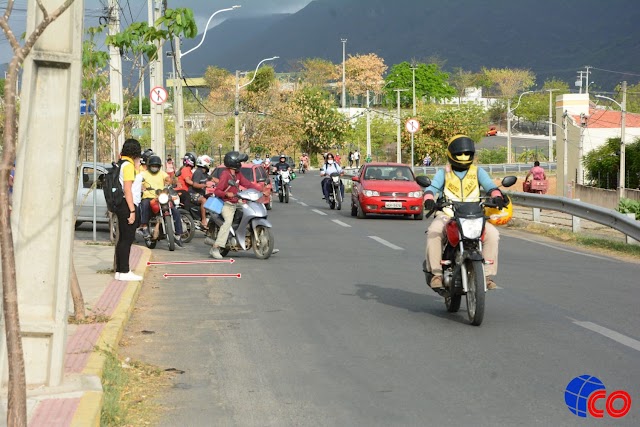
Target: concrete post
[
  {"x": 236, "y": 114},
  {"x": 48, "y": 129},
  {"x": 368, "y": 127},
  {"x": 115, "y": 79},
  {"x": 631, "y": 241},
  {"x": 536, "y": 214},
  {"x": 575, "y": 222},
  {"x": 152, "y": 80},
  {"x": 179, "y": 105},
  {"x": 157, "y": 116}
]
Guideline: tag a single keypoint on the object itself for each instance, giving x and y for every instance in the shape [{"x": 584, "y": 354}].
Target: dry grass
[{"x": 91, "y": 318}]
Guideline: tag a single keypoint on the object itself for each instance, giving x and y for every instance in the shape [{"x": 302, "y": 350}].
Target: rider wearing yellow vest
[{"x": 460, "y": 181}]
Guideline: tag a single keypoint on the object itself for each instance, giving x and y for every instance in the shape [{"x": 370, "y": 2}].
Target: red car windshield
[{"x": 388, "y": 173}]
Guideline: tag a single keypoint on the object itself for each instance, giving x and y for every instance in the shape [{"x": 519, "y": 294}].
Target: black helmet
[
  {"x": 283, "y": 157},
  {"x": 460, "y": 151},
  {"x": 234, "y": 159},
  {"x": 189, "y": 159},
  {"x": 144, "y": 158},
  {"x": 154, "y": 164}
]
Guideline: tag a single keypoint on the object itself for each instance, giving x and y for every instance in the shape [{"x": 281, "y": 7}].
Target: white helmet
[{"x": 204, "y": 161}]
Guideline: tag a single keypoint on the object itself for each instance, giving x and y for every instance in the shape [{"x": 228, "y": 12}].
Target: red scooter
[{"x": 539, "y": 186}]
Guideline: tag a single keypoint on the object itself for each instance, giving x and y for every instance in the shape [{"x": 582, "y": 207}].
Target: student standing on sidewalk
[{"x": 126, "y": 212}]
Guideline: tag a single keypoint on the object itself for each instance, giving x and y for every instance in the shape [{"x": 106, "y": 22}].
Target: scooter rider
[
  {"x": 156, "y": 179},
  {"x": 199, "y": 185},
  {"x": 328, "y": 168},
  {"x": 460, "y": 181},
  {"x": 282, "y": 165},
  {"x": 227, "y": 190}
]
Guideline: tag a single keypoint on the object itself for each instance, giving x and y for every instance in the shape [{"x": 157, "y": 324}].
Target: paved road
[{"x": 339, "y": 329}]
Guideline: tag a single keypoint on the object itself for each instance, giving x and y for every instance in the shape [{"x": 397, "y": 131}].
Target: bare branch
[
  {"x": 9, "y": 34},
  {"x": 44, "y": 11},
  {"x": 33, "y": 37},
  {"x": 7, "y": 12}
]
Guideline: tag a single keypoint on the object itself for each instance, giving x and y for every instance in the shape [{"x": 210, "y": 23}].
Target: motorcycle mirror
[
  {"x": 508, "y": 181},
  {"x": 424, "y": 181}
]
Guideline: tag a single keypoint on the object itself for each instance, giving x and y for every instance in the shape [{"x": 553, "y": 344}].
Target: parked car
[
  {"x": 386, "y": 188},
  {"x": 256, "y": 174},
  {"x": 83, "y": 209},
  {"x": 290, "y": 161},
  {"x": 492, "y": 131}
]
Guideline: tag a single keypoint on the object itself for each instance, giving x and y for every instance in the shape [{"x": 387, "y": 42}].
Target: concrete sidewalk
[{"x": 78, "y": 401}]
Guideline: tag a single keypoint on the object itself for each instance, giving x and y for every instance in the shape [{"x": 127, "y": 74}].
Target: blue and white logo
[{"x": 577, "y": 393}]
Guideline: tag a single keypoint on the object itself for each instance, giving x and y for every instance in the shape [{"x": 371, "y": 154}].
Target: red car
[
  {"x": 492, "y": 131},
  {"x": 386, "y": 188},
  {"x": 256, "y": 174}
]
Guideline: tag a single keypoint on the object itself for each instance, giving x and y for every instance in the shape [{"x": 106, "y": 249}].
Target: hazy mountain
[{"x": 550, "y": 37}]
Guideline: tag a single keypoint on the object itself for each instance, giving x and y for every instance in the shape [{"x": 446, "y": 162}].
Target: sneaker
[
  {"x": 129, "y": 277},
  {"x": 215, "y": 252},
  {"x": 436, "y": 282},
  {"x": 491, "y": 285},
  {"x": 117, "y": 276},
  {"x": 179, "y": 242}
]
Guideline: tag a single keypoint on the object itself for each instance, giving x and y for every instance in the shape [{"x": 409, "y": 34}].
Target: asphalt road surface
[{"x": 339, "y": 329}]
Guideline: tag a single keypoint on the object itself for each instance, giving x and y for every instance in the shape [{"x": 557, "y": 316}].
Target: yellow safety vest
[{"x": 465, "y": 189}]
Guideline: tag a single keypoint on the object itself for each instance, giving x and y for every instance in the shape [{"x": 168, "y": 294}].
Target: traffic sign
[
  {"x": 158, "y": 95},
  {"x": 412, "y": 125},
  {"x": 85, "y": 108}
]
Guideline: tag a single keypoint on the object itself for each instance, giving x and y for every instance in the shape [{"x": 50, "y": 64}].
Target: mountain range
[{"x": 551, "y": 38}]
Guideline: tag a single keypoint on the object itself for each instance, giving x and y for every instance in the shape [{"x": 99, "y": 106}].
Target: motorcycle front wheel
[
  {"x": 171, "y": 236},
  {"x": 262, "y": 244},
  {"x": 286, "y": 194},
  {"x": 475, "y": 291},
  {"x": 338, "y": 201},
  {"x": 280, "y": 195}
]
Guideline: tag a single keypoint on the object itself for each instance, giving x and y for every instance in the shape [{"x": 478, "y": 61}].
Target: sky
[{"x": 137, "y": 9}]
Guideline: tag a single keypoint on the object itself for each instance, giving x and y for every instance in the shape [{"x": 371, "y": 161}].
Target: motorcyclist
[
  {"x": 537, "y": 171},
  {"x": 327, "y": 169},
  {"x": 460, "y": 181},
  {"x": 199, "y": 185},
  {"x": 305, "y": 161},
  {"x": 227, "y": 189},
  {"x": 156, "y": 179},
  {"x": 282, "y": 165},
  {"x": 185, "y": 178},
  {"x": 257, "y": 160}
]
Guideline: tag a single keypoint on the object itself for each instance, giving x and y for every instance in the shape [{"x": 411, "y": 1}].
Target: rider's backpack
[{"x": 113, "y": 192}]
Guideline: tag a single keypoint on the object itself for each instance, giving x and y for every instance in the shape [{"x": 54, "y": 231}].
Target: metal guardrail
[
  {"x": 600, "y": 215},
  {"x": 491, "y": 168}
]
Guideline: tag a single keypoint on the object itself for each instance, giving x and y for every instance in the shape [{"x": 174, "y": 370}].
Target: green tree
[
  {"x": 633, "y": 97},
  {"x": 509, "y": 81},
  {"x": 383, "y": 131},
  {"x": 317, "y": 72},
  {"x": 431, "y": 82},
  {"x": 461, "y": 80},
  {"x": 535, "y": 107},
  {"x": 603, "y": 164},
  {"x": 216, "y": 77}
]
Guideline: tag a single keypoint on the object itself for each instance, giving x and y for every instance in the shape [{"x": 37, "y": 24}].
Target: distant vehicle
[
  {"x": 276, "y": 159},
  {"x": 386, "y": 188},
  {"x": 256, "y": 174},
  {"x": 83, "y": 209},
  {"x": 492, "y": 131}
]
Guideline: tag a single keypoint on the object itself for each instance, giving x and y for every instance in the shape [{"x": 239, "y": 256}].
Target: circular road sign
[
  {"x": 412, "y": 125},
  {"x": 158, "y": 95}
]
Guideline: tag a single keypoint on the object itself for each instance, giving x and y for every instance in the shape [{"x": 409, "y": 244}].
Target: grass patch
[
  {"x": 92, "y": 318},
  {"x": 129, "y": 391},
  {"x": 99, "y": 244},
  {"x": 105, "y": 271}
]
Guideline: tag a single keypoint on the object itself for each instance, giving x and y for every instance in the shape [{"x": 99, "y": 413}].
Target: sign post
[{"x": 412, "y": 126}]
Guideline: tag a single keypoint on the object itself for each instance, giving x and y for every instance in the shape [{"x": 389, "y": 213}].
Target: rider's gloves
[
  {"x": 499, "y": 202},
  {"x": 429, "y": 203}
]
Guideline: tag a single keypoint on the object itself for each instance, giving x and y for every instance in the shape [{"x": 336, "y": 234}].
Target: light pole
[
  {"x": 623, "y": 112},
  {"x": 369, "y": 119},
  {"x": 413, "y": 79},
  {"x": 509, "y": 113},
  {"x": 220, "y": 152},
  {"x": 344, "y": 80},
  {"x": 177, "y": 83},
  {"x": 398, "y": 146},
  {"x": 236, "y": 139},
  {"x": 551, "y": 123}
]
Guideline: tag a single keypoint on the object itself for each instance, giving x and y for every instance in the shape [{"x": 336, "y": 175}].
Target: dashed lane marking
[
  {"x": 318, "y": 212},
  {"x": 302, "y": 204},
  {"x": 337, "y": 221},
  {"x": 611, "y": 334},
  {"x": 387, "y": 244}
]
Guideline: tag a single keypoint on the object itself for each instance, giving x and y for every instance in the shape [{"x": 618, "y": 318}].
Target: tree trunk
[{"x": 76, "y": 295}]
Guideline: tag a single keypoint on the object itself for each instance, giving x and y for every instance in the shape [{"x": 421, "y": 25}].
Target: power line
[{"x": 616, "y": 72}]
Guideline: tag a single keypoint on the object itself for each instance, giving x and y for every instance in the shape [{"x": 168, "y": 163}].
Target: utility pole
[
  {"x": 508, "y": 130},
  {"x": 157, "y": 114},
  {"x": 583, "y": 125},
  {"x": 152, "y": 79},
  {"x": 368, "y": 127},
  {"x": 622, "y": 147},
  {"x": 586, "y": 89},
  {"x": 579, "y": 81},
  {"x": 413, "y": 79},
  {"x": 115, "y": 79},
  {"x": 140, "y": 91},
  {"x": 236, "y": 113},
  {"x": 398, "y": 146},
  {"x": 344, "y": 80},
  {"x": 178, "y": 101},
  {"x": 565, "y": 156},
  {"x": 551, "y": 123}
]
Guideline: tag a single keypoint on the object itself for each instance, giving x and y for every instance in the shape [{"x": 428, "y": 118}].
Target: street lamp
[
  {"x": 177, "y": 88},
  {"x": 623, "y": 111},
  {"x": 509, "y": 113},
  {"x": 551, "y": 122},
  {"x": 398, "y": 146},
  {"x": 236, "y": 143},
  {"x": 344, "y": 90},
  {"x": 369, "y": 119}
]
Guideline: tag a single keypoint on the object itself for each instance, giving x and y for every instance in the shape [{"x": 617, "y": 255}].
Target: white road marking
[
  {"x": 318, "y": 212},
  {"x": 337, "y": 221},
  {"x": 292, "y": 198},
  {"x": 384, "y": 242},
  {"x": 570, "y": 251},
  {"x": 616, "y": 336},
  {"x": 302, "y": 204}
]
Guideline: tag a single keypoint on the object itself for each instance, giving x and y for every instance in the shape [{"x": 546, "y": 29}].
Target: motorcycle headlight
[
  {"x": 163, "y": 198},
  {"x": 371, "y": 193},
  {"x": 416, "y": 194},
  {"x": 471, "y": 228},
  {"x": 335, "y": 178}
]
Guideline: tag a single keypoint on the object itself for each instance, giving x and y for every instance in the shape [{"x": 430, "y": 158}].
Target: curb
[{"x": 90, "y": 406}]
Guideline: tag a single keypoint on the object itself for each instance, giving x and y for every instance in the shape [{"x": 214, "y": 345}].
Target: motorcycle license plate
[{"x": 393, "y": 205}]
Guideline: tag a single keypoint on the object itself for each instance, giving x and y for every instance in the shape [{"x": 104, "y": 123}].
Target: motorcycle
[
  {"x": 462, "y": 261},
  {"x": 284, "y": 186},
  {"x": 335, "y": 195},
  {"x": 301, "y": 167},
  {"x": 250, "y": 227},
  {"x": 537, "y": 186},
  {"x": 161, "y": 219},
  {"x": 190, "y": 215}
]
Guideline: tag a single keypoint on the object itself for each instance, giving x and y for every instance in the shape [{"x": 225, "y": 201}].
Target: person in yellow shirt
[
  {"x": 156, "y": 179},
  {"x": 126, "y": 211}
]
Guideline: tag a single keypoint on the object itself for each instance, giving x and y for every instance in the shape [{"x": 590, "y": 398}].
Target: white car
[{"x": 83, "y": 210}]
